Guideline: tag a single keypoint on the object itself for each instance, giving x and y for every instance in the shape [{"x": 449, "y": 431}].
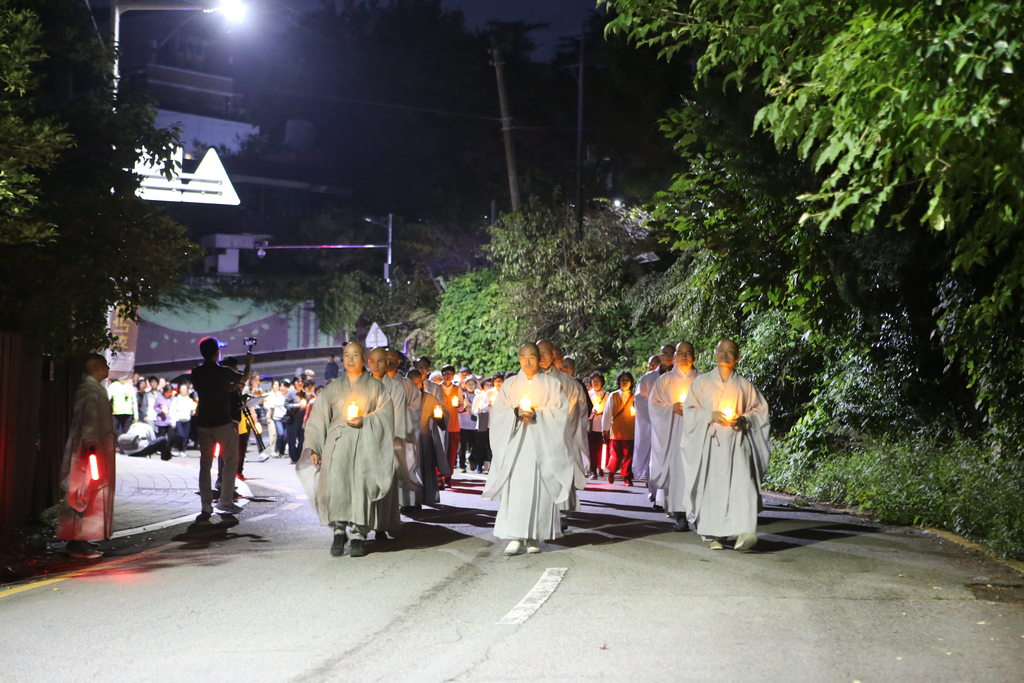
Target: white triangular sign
[
  {"x": 208, "y": 185},
  {"x": 375, "y": 337}
]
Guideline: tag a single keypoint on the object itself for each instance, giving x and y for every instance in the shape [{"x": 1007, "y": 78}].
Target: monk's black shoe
[
  {"x": 356, "y": 549},
  {"x": 338, "y": 546},
  {"x": 681, "y": 525}
]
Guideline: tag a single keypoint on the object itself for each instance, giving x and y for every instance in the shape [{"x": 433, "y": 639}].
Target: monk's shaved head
[
  {"x": 378, "y": 361},
  {"x": 726, "y": 354},
  {"x": 96, "y": 366},
  {"x": 546, "y": 353},
  {"x": 686, "y": 346},
  {"x": 529, "y": 359},
  {"x": 353, "y": 356}
]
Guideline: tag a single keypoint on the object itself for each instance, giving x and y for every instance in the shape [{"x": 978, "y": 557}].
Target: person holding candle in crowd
[
  {"x": 531, "y": 473},
  {"x": 666, "y": 406},
  {"x": 348, "y": 461},
  {"x": 455, "y": 403},
  {"x": 642, "y": 434},
  {"x": 618, "y": 423},
  {"x": 595, "y": 436},
  {"x": 432, "y": 448},
  {"x": 725, "y": 452}
]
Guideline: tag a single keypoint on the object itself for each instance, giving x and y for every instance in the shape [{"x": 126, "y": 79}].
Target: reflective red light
[
  {"x": 94, "y": 468},
  {"x": 216, "y": 450}
]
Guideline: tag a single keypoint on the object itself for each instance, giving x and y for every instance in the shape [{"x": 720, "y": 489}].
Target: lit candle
[
  {"x": 598, "y": 408},
  {"x": 437, "y": 412},
  {"x": 524, "y": 405},
  {"x": 353, "y": 411},
  {"x": 455, "y": 401},
  {"x": 727, "y": 412},
  {"x": 632, "y": 410},
  {"x": 682, "y": 397}
]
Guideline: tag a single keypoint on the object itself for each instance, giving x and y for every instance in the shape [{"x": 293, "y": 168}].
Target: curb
[{"x": 971, "y": 545}]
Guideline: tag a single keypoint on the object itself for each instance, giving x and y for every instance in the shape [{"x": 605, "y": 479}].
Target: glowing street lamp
[{"x": 233, "y": 10}]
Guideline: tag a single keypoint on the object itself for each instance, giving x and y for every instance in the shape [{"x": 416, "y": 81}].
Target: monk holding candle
[
  {"x": 348, "y": 458},
  {"x": 531, "y": 473},
  {"x": 725, "y": 452}
]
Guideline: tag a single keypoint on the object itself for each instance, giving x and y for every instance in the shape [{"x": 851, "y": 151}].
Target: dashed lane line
[{"x": 537, "y": 596}]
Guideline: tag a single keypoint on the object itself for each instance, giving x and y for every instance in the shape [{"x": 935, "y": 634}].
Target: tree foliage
[
  {"x": 475, "y": 325},
  {"x": 101, "y": 246}
]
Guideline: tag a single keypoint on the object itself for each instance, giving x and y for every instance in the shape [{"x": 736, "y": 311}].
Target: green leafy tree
[
  {"x": 84, "y": 243},
  {"x": 475, "y": 326}
]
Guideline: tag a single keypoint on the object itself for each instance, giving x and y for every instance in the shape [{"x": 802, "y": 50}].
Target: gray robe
[
  {"x": 357, "y": 466},
  {"x": 723, "y": 466}
]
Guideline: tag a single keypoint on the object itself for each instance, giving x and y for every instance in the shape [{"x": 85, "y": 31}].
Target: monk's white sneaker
[
  {"x": 514, "y": 548},
  {"x": 716, "y": 544},
  {"x": 745, "y": 541},
  {"x": 533, "y": 547}
]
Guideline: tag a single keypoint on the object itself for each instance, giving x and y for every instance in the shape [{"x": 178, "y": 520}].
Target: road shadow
[
  {"x": 449, "y": 514},
  {"x": 798, "y": 538},
  {"x": 199, "y": 536},
  {"x": 416, "y": 536}
]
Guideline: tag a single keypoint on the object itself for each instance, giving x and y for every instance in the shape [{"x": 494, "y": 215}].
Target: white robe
[
  {"x": 667, "y": 437},
  {"x": 723, "y": 466},
  {"x": 642, "y": 428},
  {"x": 576, "y": 445},
  {"x": 531, "y": 473}
]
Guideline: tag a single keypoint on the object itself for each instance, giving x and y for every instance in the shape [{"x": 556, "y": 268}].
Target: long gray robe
[
  {"x": 389, "y": 516},
  {"x": 357, "y": 466},
  {"x": 432, "y": 450},
  {"x": 724, "y": 466},
  {"x": 87, "y": 513},
  {"x": 642, "y": 426},
  {"x": 667, "y": 437},
  {"x": 531, "y": 472}
]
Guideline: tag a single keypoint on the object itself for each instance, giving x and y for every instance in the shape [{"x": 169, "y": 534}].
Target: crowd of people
[{"x": 384, "y": 437}]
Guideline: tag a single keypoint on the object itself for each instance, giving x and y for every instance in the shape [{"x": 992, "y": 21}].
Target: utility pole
[
  {"x": 506, "y": 128},
  {"x": 579, "y": 139}
]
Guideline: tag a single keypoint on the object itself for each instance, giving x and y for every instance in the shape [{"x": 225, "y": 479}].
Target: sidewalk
[{"x": 150, "y": 491}]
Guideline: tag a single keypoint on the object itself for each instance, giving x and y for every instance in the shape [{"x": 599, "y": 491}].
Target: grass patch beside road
[{"x": 961, "y": 486}]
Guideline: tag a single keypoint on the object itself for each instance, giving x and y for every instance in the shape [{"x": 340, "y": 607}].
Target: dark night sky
[{"x": 565, "y": 17}]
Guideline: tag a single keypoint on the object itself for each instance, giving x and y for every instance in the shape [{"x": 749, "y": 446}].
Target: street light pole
[{"x": 234, "y": 8}]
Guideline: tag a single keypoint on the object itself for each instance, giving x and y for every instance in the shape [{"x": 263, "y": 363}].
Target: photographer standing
[{"x": 216, "y": 387}]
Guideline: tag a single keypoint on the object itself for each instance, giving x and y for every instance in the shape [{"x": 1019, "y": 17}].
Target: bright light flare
[
  {"x": 216, "y": 450},
  {"x": 525, "y": 405},
  {"x": 353, "y": 411},
  {"x": 604, "y": 456},
  {"x": 632, "y": 411},
  {"x": 94, "y": 467},
  {"x": 728, "y": 412},
  {"x": 455, "y": 401},
  {"x": 437, "y": 412},
  {"x": 233, "y": 10},
  {"x": 682, "y": 397}
]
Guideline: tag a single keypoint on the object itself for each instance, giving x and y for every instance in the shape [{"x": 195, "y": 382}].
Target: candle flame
[
  {"x": 525, "y": 405},
  {"x": 728, "y": 412},
  {"x": 682, "y": 397},
  {"x": 598, "y": 408},
  {"x": 437, "y": 412},
  {"x": 632, "y": 410},
  {"x": 455, "y": 401},
  {"x": 353, "y": 411}
]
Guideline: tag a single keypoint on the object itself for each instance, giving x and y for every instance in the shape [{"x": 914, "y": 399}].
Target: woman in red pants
[{"x": 618, "y": 421}]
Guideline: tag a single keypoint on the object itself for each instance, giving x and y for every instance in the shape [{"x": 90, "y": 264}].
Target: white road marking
[
  {"x": 259, "y": 517},
  {"x": 537, "y": 596},
  {"x": 291, "y": 506},
  {"x": 301, "y": 497}
]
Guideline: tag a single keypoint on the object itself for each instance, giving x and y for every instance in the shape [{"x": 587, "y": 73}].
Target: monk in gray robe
[
  {"x": 348, "y": 458},
  {"x": 576, "y": 445},
  {"x": 389, "y": 519},
  {"x": 87, "y": 470},
  {"x": 432, "y": 448},
  {"x": 725, "y": 453},
  {"x": 531, "y": 473}
]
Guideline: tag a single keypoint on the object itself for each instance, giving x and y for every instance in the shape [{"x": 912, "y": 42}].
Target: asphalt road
[{"x": 825, "y": 597}]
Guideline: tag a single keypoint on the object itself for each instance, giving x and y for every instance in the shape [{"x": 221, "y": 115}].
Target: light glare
[{"x": 233, "y": 10}]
